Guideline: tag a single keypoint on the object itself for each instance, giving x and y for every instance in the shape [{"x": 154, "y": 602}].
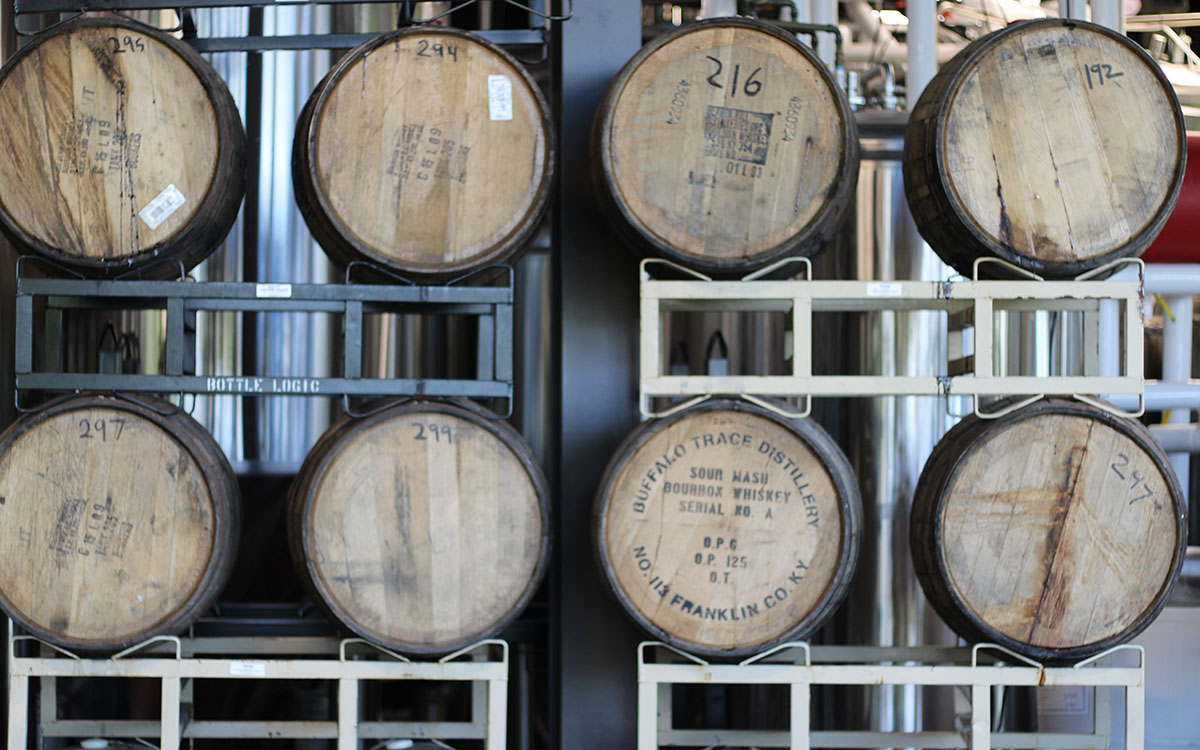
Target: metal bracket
[
  {"x": 866, "y": 665},
  {"x": 969, "y": 304},
  {"x": 486, "y": 670},
  {"x": 493, "y": 305}
]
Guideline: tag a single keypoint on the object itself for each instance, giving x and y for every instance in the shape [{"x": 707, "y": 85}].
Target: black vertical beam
[
  {"x": 8, "y": 257},
  {"x": 596, "y": 308},
  {"x": 253, "y": 114}
]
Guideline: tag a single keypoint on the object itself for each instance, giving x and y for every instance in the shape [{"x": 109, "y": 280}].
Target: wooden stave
[
  {"x": 343, "y": 249},
  {"x": 321, "y": 456},
  {"x": 925, "y": 528},
  {"x": 943, "y": 222},
  {"x": 840, "y": 472},
  {"x": 826, "y": 224},
  {"x": 219, "y": 209},
  {"x": 222, "y": 483}
]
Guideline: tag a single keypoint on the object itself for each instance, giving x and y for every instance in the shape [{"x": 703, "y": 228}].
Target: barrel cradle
[
  {"x": 1057, "y": 146},
  {"x": 423, "y": 528},
  {"x": 725, "y": 529},
  {"x": 1056, "y": 531},
  {"x": 119, "y": 523},
  {"x": 725, "y": 145},
  {"x": 428, "y": 151},
  {"x": 119, "y": 145}
]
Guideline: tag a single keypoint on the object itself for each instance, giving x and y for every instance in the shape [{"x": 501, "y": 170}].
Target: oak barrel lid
[
  {"x": 423, "y": 528},
  {"x": 726, "y": 145},
  {"x": 725, "y": 529},
  {"x": 116, "y": 522},
  {"x": 119, "y": 144},
  {"x": 1056, "y": 531},
  {"x": 1058, "y": 145},
  {"x": 427, "y": 150}
]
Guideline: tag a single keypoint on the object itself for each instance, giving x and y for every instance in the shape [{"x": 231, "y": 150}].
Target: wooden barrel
[
  {"x": 426, "y": 150},
  {"x": 1055, "y": 145},
  {"x": 119, "y": 145},
  {"x": 116, "y": 523},
  {"x": 1056, "y": 531},
  {"x": 725, "y": 529},
  {"x": 423, "y": 528},
  {"x": 726, "y": 145}
]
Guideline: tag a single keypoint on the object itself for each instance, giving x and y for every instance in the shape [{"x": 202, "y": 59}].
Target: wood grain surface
[
  {"x": 115, "y": 142},
  {"x": 114, "y": 527},
  {"x": 724, "y": 530},
  {"x": 423, "y": 529},
  {"x": 1059, "y": 531},
  {"x": 427, "y": 150},
  {"x": 1056, "y": 142},
  {"x": 726, "y": 144}
]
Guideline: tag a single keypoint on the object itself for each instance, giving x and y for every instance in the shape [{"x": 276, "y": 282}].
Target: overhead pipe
[{"x": 1177, "y": 438}]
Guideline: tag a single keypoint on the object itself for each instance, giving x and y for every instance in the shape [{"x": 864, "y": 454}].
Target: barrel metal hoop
[{"x": 161, "y": 260}]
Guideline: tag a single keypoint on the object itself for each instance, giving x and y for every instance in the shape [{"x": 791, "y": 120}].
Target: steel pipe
[
  {"x": 1177, "y": 438},
  {"x": 1161, "y": 396}
]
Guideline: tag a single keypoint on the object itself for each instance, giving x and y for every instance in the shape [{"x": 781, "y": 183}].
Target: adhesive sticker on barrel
[
  {"x": 164, "y": 204},
  {"x": 500, "y": 98}
]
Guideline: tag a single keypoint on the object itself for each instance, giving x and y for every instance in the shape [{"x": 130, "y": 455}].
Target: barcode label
[
  {"x": 247, "y": 668},
  {"x": 499, "y": 98},
  {"x": 887, "y": 289},
  {"x": 277, "y": 291},
  {"x": 163, "y": 205}
]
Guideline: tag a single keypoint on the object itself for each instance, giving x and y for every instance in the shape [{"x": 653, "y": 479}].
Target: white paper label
[
  {"x": 499, "y": 98},
  {"x": 276, "y": 291},
  {"x": 165, "y": 204},
  {"x": 884, "y": 289},
  {"x": 247, "y": 668}
]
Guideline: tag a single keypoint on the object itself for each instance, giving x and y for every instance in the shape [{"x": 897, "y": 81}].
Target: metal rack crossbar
[
  {"x": 534, "y": 36},
  {"x": 175, "y": 673},
  {"x": 972, "y": 306},
  {"x": 792, "y": 664},
  {"x": 492, "y": 305}
]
